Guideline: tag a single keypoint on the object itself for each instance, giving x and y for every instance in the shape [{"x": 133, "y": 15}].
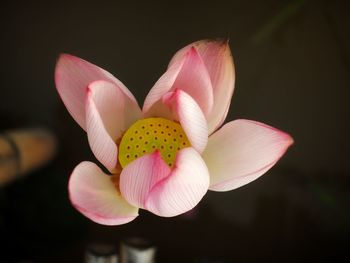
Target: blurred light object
[
  {"x": 23, "y": 151},
  {"x": 165, "y": 157},
  {"x": 101, "y": 253},
  {"x": 137, "y": 250}
]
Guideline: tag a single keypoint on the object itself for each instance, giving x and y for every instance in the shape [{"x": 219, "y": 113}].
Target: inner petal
[{"x": 151, "y": 134}]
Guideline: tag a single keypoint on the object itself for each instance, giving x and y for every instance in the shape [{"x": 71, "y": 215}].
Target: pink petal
[
  {"x": 217, "y": 57},
  {"x": 93, "y": 193},
  {"x": 190, "y": 116},
  {"x": 241, "y": 151},
  {"x": 189, "y": 75},
  {"x": 148, "y": 182},
  {"x": 183, "y": 188},
  {"x": 73, "y": 75},
  {"x": 138, "y": 178},
  {"x": 104, "y": 120}
]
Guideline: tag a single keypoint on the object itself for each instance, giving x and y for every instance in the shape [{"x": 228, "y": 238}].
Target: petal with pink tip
[
  {"x": 94, "y": 194},
  {"x": 217, "y": 57},
  {"x": 183, "y": 188},
  {"x": 105, "y": 106},
  {"x": 148, "y": 182},
  {"x": 190, "y": 116},
  {"x": 138, "y": 178},
  {"x": 241, "y": 151},
  {"x": 73, "y": 75},
  {"x": 189, "y": 75}
]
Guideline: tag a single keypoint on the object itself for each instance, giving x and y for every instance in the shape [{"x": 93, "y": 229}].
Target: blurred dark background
[{"x": 292, "y": 61}]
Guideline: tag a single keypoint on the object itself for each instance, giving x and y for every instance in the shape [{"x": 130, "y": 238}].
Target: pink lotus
[{"x": 165, "y": 157}]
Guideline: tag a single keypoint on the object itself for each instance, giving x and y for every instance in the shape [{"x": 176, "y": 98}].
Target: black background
[{"x": 292, "y": 63}]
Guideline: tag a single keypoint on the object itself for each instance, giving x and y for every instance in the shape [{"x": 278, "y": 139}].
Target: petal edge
[
  {"x": 241, "y": 151},
  {"x": 183, "y": 189},
  {"x": 188, "y": 74},
  {"x": 93, "y": 194}
]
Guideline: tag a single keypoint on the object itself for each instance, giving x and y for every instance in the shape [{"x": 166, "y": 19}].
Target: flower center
[{"x": 148, "y": 135}]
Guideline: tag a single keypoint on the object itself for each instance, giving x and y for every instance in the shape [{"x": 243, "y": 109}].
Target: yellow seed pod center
[{"x": 148, "y": 135}]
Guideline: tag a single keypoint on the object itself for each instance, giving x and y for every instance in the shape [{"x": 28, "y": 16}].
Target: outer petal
[
  {"x": 188, "y": 74},
  {"x": 138, "y": 178},
  {"x": 73, "y": 75},
  {"x": 182, "y": 190},
  {"x": 241, "y": 151},
  {"x": 190, "y": 116},
  {"x": 217, "y": 58},
  {"x": 93, "y": 193},
  {"x": 149, "y": 183},
  {"x": 105, "y": 120}
]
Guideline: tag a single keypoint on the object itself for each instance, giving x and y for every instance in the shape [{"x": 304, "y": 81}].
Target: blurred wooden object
[
  {"x": 137, "y": 250},
  {"x": 24, "y": 150}
]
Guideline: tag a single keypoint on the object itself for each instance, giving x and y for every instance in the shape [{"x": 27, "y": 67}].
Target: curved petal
[
  {"x": 190, "y": 116},
  {"x": 182, "y": 189},
  {"x": 138, "y": 178},
  {"x": 216, "y": 55},
  {"x": 148, "y": 182},
  {"x": 188, "y": 74},
  {"x": 241, "y": 151},
  {"x": 105, "y": 106},
  {"x": 93, "y": 193},
  {"x": 73, "y": 75}
]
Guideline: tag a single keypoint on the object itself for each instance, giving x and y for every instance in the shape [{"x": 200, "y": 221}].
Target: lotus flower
[{"x": 165, "y": 157}]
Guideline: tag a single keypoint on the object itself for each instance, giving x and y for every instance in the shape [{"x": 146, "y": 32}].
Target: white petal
[
  {"x": 182, "y": 190},
  {"x": 189, "y": 75},
  {"x": 241, "y": 151},
  {"x": 139, "y": 177},
  {"x": 73, "y": 75},
  {"x": 216, "y": 55},
  {"x": 93, "y": 193},
  {"x": 190, "y": 116},
  {"x": 106, "y": 119}
]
